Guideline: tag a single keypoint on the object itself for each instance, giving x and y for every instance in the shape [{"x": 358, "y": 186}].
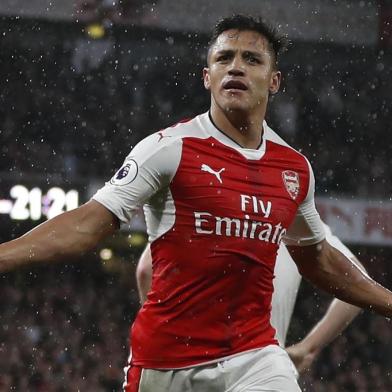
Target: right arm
[
  {"x": 67, "y": 235},
  {"x": 148, "y": 168}
]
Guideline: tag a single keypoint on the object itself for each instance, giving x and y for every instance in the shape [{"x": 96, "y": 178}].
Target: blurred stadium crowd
[
  {"x": 66, "y": 328},
  {"x": 81, "y": 104},
  {"x": 74, "y": 106}
]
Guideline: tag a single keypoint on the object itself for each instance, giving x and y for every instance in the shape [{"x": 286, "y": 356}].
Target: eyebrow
[{"x": 245, "y": 53}]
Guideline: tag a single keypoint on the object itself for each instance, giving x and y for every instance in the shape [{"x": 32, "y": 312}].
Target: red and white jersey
[{"x": 216, "y": 214}]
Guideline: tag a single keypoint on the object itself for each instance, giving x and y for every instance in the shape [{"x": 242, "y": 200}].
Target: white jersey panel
[
  {"x": 337, "y": 244},
  {"x": 160, "y": 214},
  {"x": 286, "y": 284}
]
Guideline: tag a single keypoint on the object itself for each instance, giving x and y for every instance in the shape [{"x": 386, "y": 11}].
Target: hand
[{"x": 302, "y": 356}]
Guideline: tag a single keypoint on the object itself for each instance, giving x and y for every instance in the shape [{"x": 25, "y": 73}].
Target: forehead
[{"x": 246, "y": 40}]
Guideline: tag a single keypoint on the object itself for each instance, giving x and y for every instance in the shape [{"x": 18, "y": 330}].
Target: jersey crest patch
[
  {"x": 126, "y": 174},
  {"x": 291, "y": 182}
]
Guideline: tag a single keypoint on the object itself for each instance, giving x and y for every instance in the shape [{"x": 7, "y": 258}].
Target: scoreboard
[
  {"x": 21, "y": 202},
  {"x": 27, "y": 202}
]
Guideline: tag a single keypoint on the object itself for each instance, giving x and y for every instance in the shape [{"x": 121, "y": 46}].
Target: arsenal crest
[{"x": 291, "y": 182}]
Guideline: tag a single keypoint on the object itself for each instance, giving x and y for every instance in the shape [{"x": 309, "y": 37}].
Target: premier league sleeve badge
[{"x": 126, "y": 174}]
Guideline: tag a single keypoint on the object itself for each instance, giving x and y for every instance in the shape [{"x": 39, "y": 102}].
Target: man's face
[{"x": 240, "y": 73}]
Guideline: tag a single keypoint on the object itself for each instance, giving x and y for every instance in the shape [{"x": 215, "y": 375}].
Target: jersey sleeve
[
  {"x": 149, "y": 167},
  {"x": 307, "y": 227}
]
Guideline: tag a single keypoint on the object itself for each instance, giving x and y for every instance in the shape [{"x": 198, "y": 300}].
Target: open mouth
[{"x": 235, "y": 85}]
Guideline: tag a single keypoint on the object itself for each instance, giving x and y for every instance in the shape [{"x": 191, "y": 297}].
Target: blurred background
[{"x": 83, "y": 81}]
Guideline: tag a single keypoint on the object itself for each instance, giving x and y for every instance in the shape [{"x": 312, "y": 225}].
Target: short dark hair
[{"x": 277, "y": 42}]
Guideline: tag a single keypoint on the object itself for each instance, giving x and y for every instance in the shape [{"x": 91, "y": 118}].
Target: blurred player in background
[
  {"x": 286, "y": 284},
  {"x": 221, "y": 192}
]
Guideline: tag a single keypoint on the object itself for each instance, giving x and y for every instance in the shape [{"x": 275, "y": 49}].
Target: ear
[
  {"x": 276, "y": 77},
  {"x": 206, "y": 78}
]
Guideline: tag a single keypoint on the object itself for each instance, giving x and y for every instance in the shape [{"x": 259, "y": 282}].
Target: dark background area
[{"x": 71, "y": 109}]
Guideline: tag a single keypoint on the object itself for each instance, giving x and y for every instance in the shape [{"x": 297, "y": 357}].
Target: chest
[{"x": 218, "y": 180}]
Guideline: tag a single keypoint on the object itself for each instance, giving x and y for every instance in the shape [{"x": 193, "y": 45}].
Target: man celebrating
[{"x": 214, "y": 233}]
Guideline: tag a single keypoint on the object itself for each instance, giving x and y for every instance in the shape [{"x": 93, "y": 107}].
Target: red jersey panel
[{"x": 213, "y": 271}]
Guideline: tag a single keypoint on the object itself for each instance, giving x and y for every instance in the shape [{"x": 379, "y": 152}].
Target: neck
[{"x": 245, "y": 129}]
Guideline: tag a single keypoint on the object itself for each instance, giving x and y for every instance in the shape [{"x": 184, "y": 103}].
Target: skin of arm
[
  {"x": 144, "y": 274},
  {"x": 337, "y": 318},
  {"x": 331, "y": 271},
  {"x": 70, "y": 234}
]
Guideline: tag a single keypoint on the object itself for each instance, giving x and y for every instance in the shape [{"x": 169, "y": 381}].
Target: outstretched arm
[
  {"x": 144, "y": 274},
  {"x": 148, "y": 169},
  {"x": 70, "y": 234},
  {"x": 331, "y": 271}
]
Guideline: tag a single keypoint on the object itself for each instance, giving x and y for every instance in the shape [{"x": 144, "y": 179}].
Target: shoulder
[
  {"x": 188, "y": 127},
  {"x": 170, "y": 138},
  {"x": 297, "y": 173},
  {"x": 279, "y": 143}
]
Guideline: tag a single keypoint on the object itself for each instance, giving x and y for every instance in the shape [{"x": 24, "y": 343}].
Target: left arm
[
  {"x": 336, "y": 319},
  {"x": 331, "y": 271},
  {"x": 338, "y": 316}
]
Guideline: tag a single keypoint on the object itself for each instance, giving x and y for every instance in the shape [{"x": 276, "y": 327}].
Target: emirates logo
[{"x": 291, "y": 182}]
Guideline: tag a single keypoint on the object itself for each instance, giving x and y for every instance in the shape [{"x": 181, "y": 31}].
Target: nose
[
  {"x": 236, "y": 67},
  {"x": 236, "y": 72}
]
